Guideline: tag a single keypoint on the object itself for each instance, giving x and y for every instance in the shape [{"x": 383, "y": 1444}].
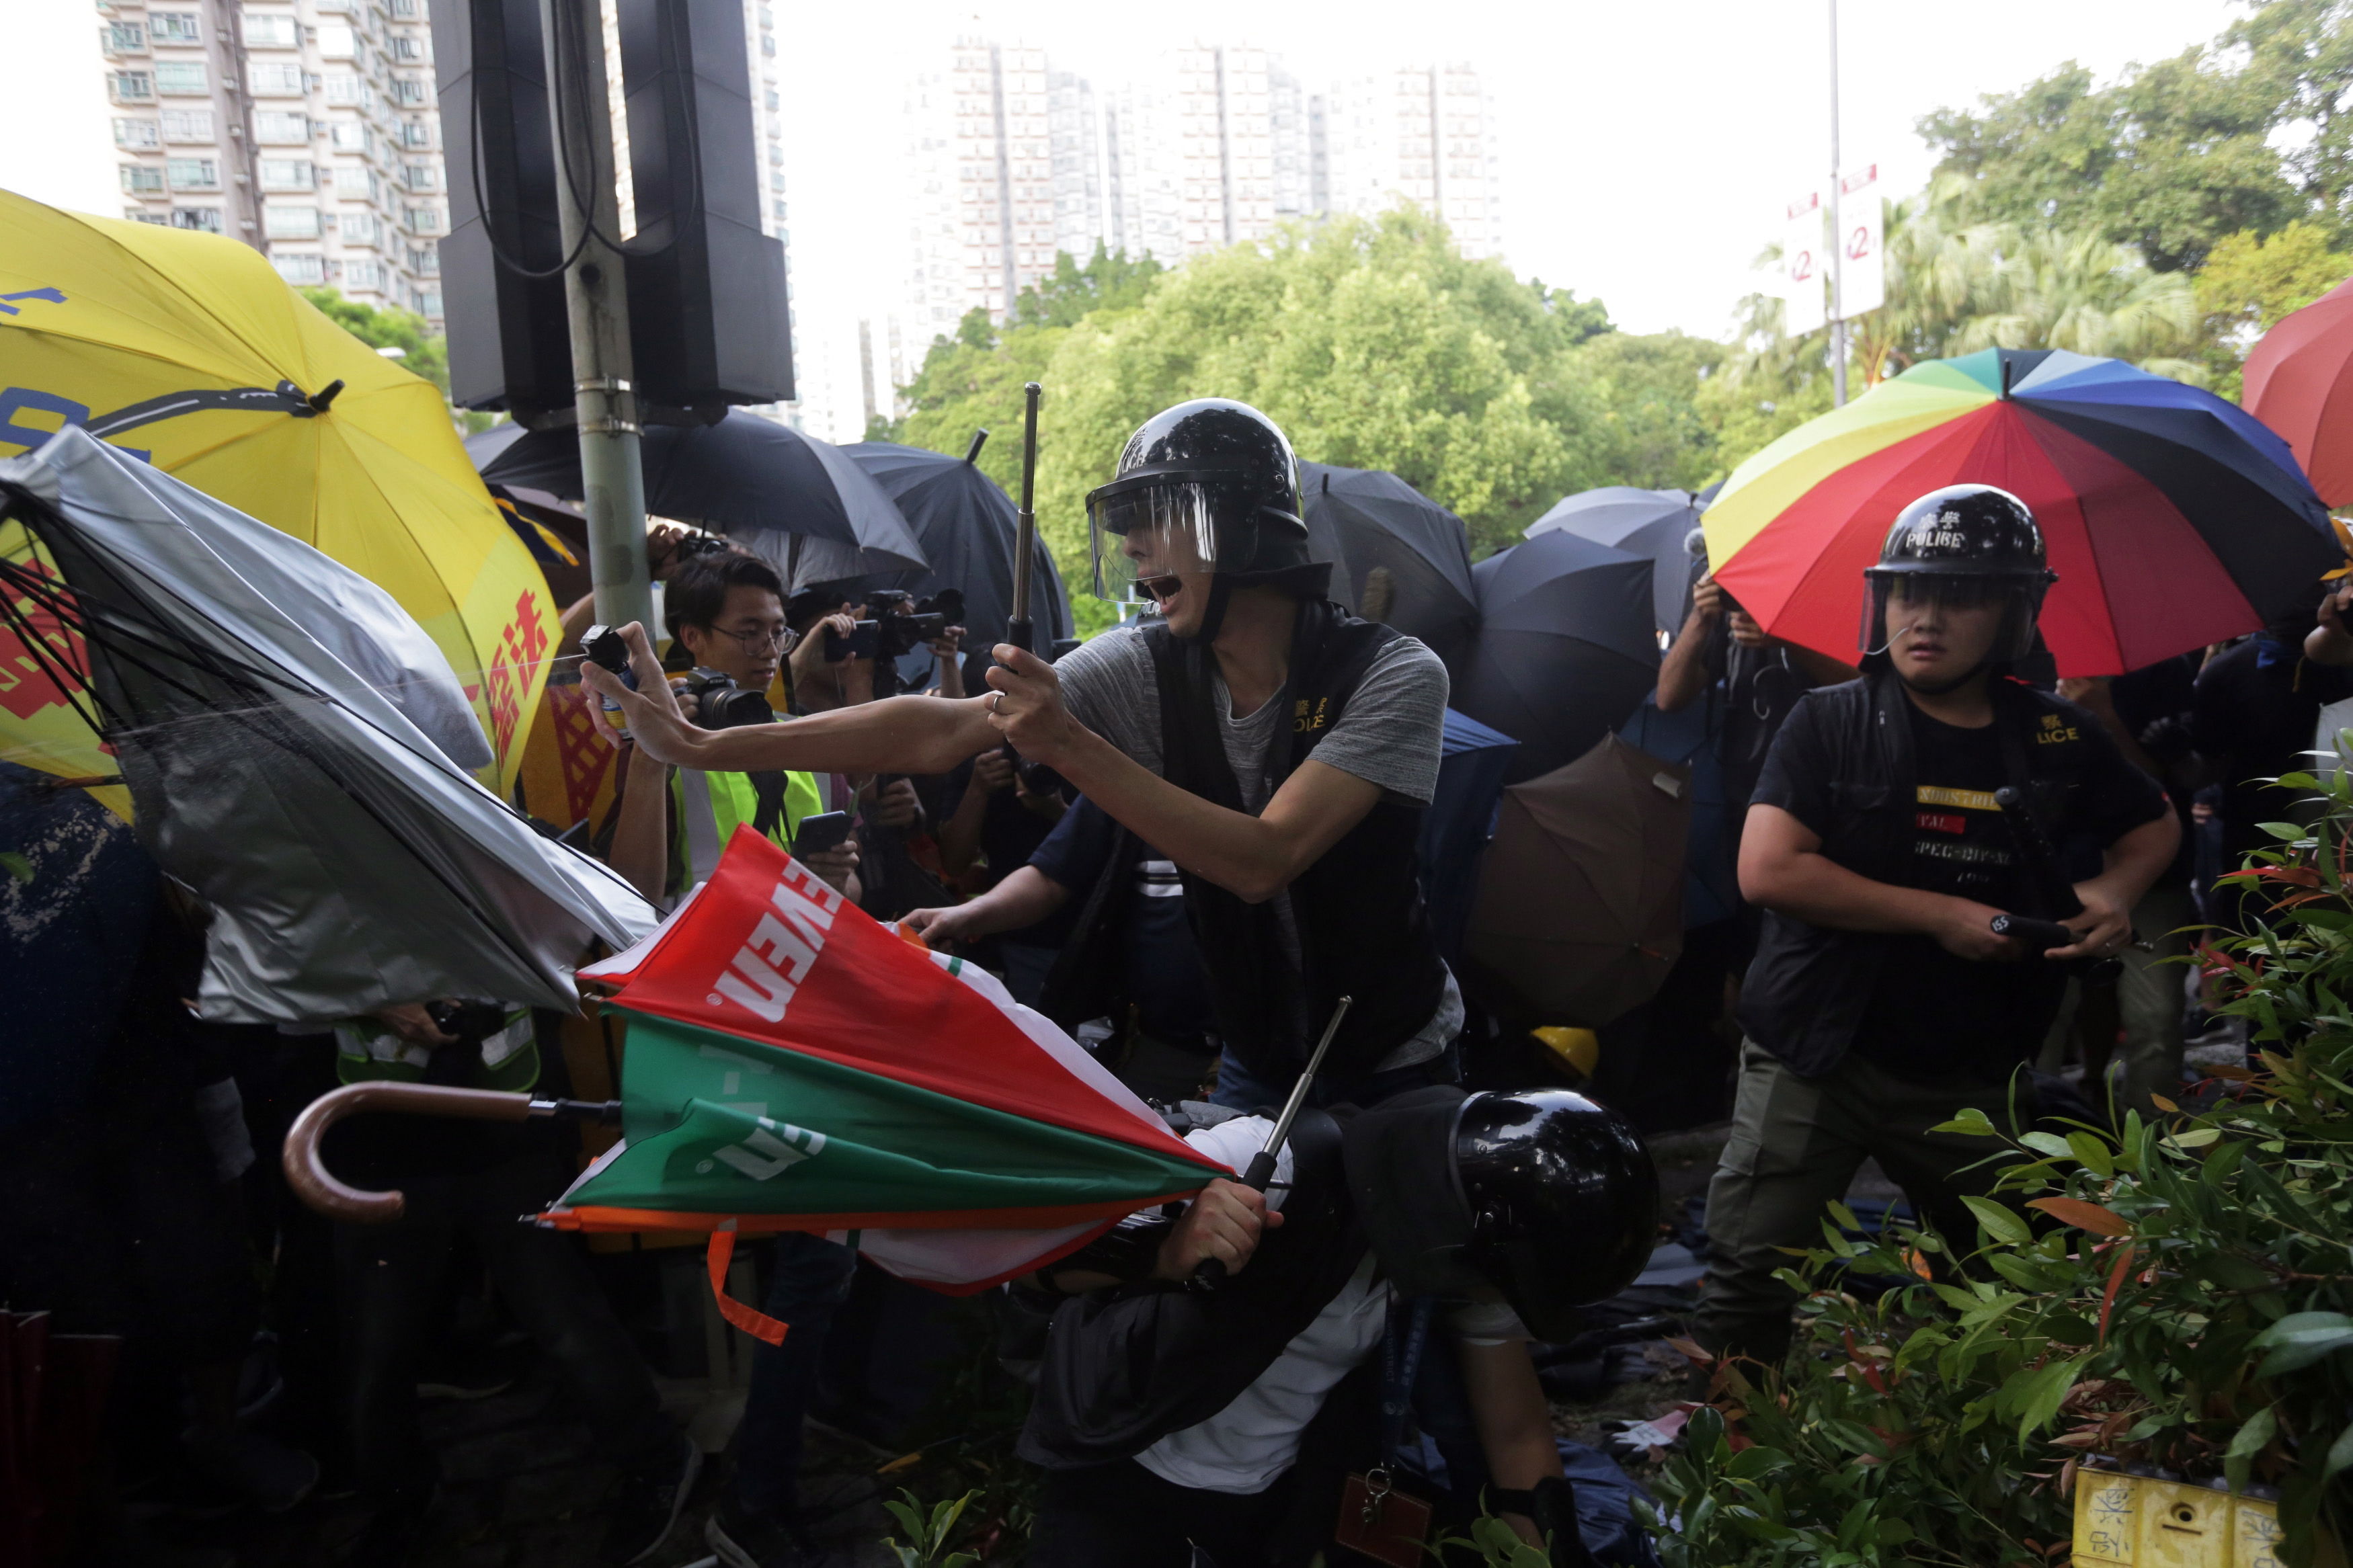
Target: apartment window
[
  {"x": 426, "y": 263},
  {"x": 188, "y": 125},
  {"x": 774, "y": 102},
  {"x": 141, "y": 214},
  {"x": 408, "y": 48},
  {"x": 288, "y": 174},
  {"x": 194, "y": 173},
  {"x": 142, "y": 180},
  {"x": 273, "y": 80},
  {"x": 429, "y": 301},
  {"x": 206, "y": 220},
  {"x": 421, "y": 177},
  {"x": 269, "y": 31},
  {"x": 175, "y": 27},
  {"x": 136, "y": 134},
  {"x": 181, "y": 78},
  {"x": 362, "y": 275},
  {"x": 767, "y": 43},
  {"x": 777, "y": 211},
  {"x": 291, "y": 223},
  {"x": 408, "y": 90},
  {"x": 424, "y": 220},
  {"x": 275, "y": 128},
  {"x": 335, "y": 40},
  {"x": 344, "y": 87},
  {"x": 416, "y": 133},
  {"x": 359, "y": 228},
  {"x": 348, "y": 136},
  {"x": 300, "y": 270},
  {"x": 125, "y": 37},
  {"x": 358, "y": 184},
  {"x": 404, "y": 7},
  {"x": 132, "y": 87}
]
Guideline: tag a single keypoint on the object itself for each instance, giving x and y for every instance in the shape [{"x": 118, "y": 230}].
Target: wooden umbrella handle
[{"x": 317, "y": 1186}]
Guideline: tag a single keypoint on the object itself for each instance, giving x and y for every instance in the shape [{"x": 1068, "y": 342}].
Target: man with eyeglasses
[
  {"x": 727, "y": 611},
  {"x": 1278, "y": 750}
]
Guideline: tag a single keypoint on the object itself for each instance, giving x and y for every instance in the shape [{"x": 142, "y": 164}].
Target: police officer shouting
[
  {"x": 1278, "y": 750},
  {"x": 1881, "y": 1002}
]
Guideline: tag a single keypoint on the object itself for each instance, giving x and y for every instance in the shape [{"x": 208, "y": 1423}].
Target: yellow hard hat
[{"x": 1579, "y": 1048}]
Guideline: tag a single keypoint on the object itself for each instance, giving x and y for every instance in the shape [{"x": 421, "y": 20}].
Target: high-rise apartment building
[
  {"x": 305, "y": 128},
  {"x": 1424, "y": 134},
  {"x": 990, "y": 201}
]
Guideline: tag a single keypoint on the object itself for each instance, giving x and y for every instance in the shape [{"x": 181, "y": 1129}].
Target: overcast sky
[{"x": 1648, "y": 147}]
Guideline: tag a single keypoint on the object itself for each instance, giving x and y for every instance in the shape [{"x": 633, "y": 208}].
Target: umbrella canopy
[
  {"x": 965, "y": 524},
  {"x": 1365, "y": 521},
  {"x": 1566, "y": 647},
  {"x": 2299, "y": 381},
  {"x": 1653, "y": 523},
  {"x": 1580, "y": 909},
  {"x": 2173, "y": 518},
  {"x": 188, "y": 350},
  {"x": 793, "y": 1065},
  {"x": 1459, "y": 821},
  {"x": 799, "y": 501},
  {"x": 297, "y": 751}
]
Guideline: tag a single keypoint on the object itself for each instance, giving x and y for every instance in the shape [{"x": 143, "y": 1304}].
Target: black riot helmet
[
  {"x": 1967, "y": 544},
  {"x": 1538, "y": 1196},
  {"x": 1210, "y": 485}
]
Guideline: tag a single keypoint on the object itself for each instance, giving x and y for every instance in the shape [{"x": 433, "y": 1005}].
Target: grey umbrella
[
  {"x": 801, "y": 502},
  {"x": 1566, "y": 650},
  {"x": 1402, "y": 559},
  {"x": 295, "y": 748},
  {"x": 1650, "y": 523}
]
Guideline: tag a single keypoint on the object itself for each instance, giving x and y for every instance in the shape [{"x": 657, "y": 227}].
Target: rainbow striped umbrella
[{"x": 2173, "y": 518}]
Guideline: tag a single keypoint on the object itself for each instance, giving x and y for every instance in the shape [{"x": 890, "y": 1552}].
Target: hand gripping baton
[{"x": 1210, "y": 1272}]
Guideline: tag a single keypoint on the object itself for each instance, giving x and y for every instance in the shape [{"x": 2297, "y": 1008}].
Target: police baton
[
  {"x": 1018, "y": 628},
  {"x": 1210, "y": 1272}
]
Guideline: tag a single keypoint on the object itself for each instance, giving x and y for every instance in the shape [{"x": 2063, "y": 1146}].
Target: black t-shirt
[
  {"x": 2155, "y": 703},
  {"x": 1760, "y": 686},
  {"x": 2254, "y": 716},
  {"x": 1931, "y": 1015},
  {"x": 1163, "y": 968}
]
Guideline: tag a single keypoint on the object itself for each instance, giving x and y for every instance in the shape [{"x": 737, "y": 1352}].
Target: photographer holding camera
[
  {"x": 1278, "y": 750},
  {"x": 727, "y": 610},
  {"x": 1898, "y": 818}
]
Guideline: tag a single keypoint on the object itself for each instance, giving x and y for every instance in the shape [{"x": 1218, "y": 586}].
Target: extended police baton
[
  {"x": 1017, "y": 629},
  {"x": 1210, "y": 1272}
]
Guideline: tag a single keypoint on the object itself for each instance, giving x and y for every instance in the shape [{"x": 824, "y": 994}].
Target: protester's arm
[
  {"x": 1508, "y": 1407},
  {"x": 1254, "y": 857},
  {"x": 1782, "y": 868},
  {"x": 949, "y": 661},
  {"x": 640, "y": 851},
  {"x": 907, "y": 734},
  {"x": 1224, "y": 1221},
  {"x": 960, "y": 835},
  {"x": 1682, "y": 674},
  {"x": 2329, "y": 642},
  {"x": 1020, "y": 901}
]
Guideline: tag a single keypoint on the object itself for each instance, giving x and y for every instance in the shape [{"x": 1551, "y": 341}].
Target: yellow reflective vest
[{"x": 709, "y": 807}]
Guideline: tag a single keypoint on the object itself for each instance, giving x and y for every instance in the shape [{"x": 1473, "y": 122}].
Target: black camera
[
  {"x": 693, "y": 544},
  {"x": 468, "y": 1023},
  {"x": 904, "y": 623},
  {"x": 721, "y": 704}
]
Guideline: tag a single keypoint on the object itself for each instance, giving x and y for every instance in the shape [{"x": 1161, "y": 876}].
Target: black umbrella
[
  {"x": 797, "y": 501},
  {"x": 1565, "y": 648},
  {"x": 1401, "y": 558},
  {"x": 1650, "y": 523},
  {"x": 965, "y": 524}
]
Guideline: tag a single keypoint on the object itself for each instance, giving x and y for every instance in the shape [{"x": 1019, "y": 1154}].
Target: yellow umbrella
[{"x": 189, "y": 349}]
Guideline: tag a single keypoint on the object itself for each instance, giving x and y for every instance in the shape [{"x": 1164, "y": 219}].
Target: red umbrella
[{"x": 2300, "y": 383}]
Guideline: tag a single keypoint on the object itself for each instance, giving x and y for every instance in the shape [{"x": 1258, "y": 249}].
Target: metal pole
[
  {"x": 1838, "y": 239},
  {"x": 596, "y": 292}
]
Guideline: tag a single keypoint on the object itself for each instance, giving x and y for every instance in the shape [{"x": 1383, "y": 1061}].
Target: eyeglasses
[{"x": 766, "y": 640}]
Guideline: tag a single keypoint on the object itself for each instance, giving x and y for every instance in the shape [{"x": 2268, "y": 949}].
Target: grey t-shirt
[{"x": 1389, "y": 734}]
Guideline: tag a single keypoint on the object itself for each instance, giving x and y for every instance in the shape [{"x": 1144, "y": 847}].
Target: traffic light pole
[
  {"x": 596, "y": 292},
  {"x": 1838, "y": 237}
]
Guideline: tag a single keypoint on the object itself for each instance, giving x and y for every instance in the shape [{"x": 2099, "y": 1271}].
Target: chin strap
[{"x": 1222, "y": 593}]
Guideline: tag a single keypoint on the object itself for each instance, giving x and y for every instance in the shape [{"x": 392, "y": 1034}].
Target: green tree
[
  {"x": 1655, "y": 432},
  {"x": 2248, "y": 282},
  {"x": 388, "y": 328}
]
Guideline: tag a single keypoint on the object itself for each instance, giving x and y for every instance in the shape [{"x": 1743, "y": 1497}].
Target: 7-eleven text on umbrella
[{"x": 782, "y": 949}]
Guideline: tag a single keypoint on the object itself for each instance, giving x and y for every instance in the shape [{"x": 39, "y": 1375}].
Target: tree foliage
[
  {"x": 2248, "y": 282},
  {"x": 1374, "y": 342},
  {"x": 388, "y": 328},
  {"x": 2248, "y": 132}
]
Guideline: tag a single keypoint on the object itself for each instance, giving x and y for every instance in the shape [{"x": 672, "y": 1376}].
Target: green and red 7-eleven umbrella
[
  {"x": 791, "y": 1064},
  {"x": 2173, "y": 518}
]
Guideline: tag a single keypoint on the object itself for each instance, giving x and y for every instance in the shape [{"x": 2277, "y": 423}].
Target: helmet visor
[
  {"x": 1896, "y": 597},
  {"x": 1147, "y": 534}
]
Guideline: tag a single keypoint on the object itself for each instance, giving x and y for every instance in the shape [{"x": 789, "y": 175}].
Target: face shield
[
  {"x": 1148, "y": 530},
  {"x": 1918, "y": 595}
]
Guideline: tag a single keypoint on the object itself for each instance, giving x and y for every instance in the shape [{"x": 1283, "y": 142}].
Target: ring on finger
[{"x": 995, "y": 700}]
